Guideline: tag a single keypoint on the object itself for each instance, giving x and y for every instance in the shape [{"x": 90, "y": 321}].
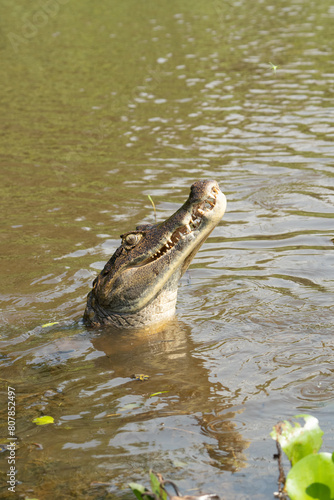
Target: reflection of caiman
[{"x": 138, "y": 285}]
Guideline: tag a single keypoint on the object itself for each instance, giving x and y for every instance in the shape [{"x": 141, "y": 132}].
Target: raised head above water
[{"x": 138, "y": 286}]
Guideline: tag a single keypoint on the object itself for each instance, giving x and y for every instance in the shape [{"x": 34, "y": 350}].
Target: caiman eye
[{"x": 131, "y": 240}]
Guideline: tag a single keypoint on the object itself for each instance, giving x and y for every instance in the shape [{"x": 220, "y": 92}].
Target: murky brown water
[{"x": 101, "y": 105}]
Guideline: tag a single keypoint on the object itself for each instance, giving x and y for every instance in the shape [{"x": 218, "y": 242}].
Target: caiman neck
[{"x": 162, "y": 309}]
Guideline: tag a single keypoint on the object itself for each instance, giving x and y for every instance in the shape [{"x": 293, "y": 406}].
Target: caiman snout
[
  {"x": 138, "y": 286},
  {"x": 202, "y": 190}
]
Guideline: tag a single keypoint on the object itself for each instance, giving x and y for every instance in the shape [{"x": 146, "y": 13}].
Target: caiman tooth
[
  {"x": 200, "y": 211},
  {"x": 188, "y": 227}
]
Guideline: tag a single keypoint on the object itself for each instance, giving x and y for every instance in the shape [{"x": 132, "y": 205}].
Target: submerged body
[{"x": 138, "y": 286}]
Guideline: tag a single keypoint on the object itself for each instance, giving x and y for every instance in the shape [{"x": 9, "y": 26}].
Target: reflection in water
[
  {"x": 85, "y": 382},
  {"x": 167, "y": 358}
]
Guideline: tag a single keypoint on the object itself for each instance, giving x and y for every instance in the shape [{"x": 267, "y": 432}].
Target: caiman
[{"x": 138, "y": 285}]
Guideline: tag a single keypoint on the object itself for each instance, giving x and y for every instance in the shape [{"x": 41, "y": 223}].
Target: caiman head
[{"x": 138, "y": 286}]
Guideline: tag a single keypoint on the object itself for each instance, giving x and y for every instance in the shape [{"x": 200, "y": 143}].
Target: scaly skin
[{"x": 138, "y": 286}]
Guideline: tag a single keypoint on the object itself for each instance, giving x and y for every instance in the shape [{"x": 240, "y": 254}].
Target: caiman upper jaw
[{"x": 196, "y": 211}]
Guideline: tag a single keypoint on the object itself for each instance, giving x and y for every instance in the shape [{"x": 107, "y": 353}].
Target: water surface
[{"x": 102, "y": 105}]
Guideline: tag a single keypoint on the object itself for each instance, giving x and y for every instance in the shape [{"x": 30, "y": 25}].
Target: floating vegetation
[
  {"x": 159, "y": 490},
  {"x": 43, "y": 420},
  {"x": 153, "y": 205},
  {"x": 140, "y": 376},
  {"x": 312, "y": 473},
  {"x": 273, "y": 67}
]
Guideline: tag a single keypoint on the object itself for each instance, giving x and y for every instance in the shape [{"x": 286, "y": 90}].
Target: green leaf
[
  {"x": 153, "y": 205},
  {"x": 157, "y": 488},
  {"x": 312, "y": 478},
  {"x": 157, "y": 393},
  {"x": 297, "y": 442},
  {"x": 138, "y": 490},
  {"x": 50, "y": 324},
  {"x": 273, "y": 67},
  {"x": 43, "y": 420}
]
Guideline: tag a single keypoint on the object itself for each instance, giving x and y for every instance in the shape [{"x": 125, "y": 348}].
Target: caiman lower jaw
[{"x": 192, "y": 223}]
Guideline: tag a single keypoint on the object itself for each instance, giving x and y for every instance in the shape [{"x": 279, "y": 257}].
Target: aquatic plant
[
  {"x": 310, "y": 477},
  {"x": 159, "y": 492},
  {"x": 312, "y": 473}
]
